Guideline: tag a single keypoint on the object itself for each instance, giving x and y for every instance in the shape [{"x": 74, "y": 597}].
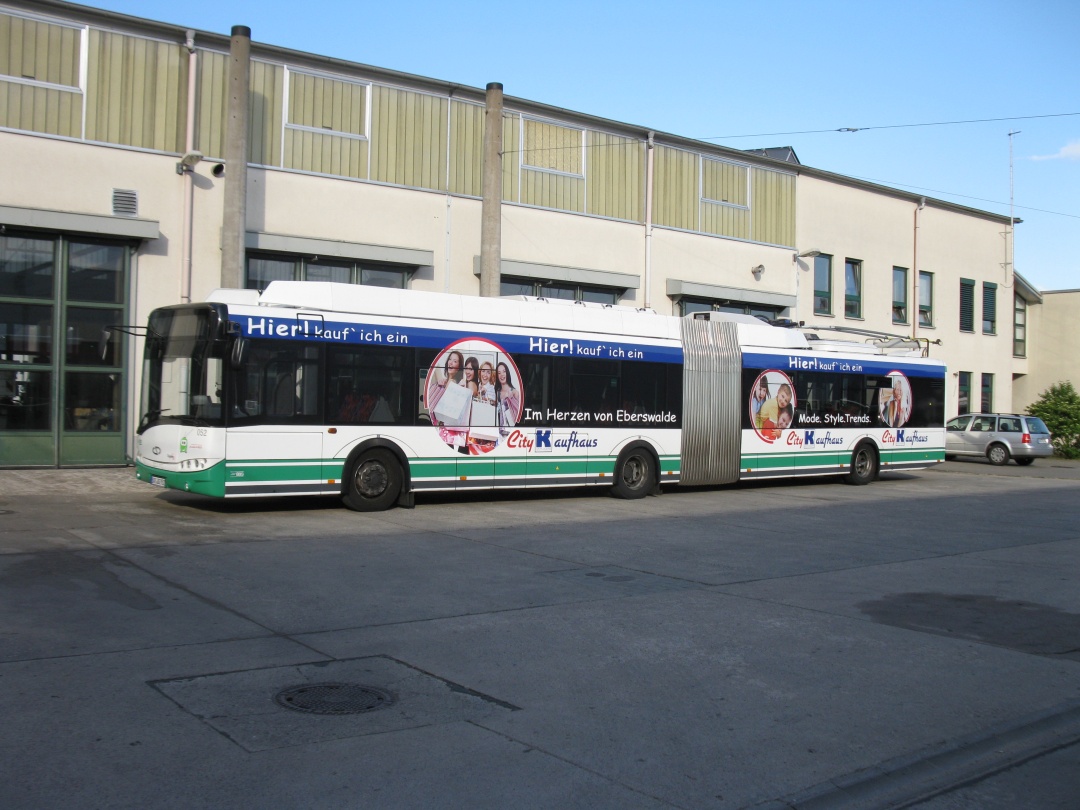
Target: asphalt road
[{"x": 913, "y": 643}]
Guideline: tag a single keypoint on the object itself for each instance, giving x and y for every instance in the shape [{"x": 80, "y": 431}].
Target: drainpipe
[
  {"x": 186, "y": 242},
  {"x": 649, "y": 151},
  {"x": 234, "y": 221},
  {"x": 915, "y": 271},
  {"x": 491, "y": 212}
]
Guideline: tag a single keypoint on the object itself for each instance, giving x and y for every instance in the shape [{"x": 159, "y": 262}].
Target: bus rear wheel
[
  {"x": 864, "y": 465},
  {"x": 635, "y": 474},
  {"x": 374, "y": 482}
]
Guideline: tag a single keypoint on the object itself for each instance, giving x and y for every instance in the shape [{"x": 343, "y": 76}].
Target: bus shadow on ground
[{"x": 321, "y": 503}]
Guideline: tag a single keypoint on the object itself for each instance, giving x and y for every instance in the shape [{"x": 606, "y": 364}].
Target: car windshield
[{"x": 1036, "y": 425}]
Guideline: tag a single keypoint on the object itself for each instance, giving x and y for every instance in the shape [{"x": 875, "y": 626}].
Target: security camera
[
  {"x": 188, "y": 161},
  {"x": 218, "y": 170}
]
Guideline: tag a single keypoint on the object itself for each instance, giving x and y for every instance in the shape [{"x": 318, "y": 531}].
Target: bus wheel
[
  {"x": 635, "y": 474},
  {"x": 998, "y": 455},
  {"x": 375, "y": 482},
  {"x": 864, "y": 465}
]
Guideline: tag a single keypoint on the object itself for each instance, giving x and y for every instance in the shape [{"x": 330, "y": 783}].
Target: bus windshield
[{"x": 182, "y": 368}]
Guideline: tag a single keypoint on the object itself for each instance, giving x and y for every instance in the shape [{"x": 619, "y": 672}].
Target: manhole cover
[{"x": 333, "y": 698}]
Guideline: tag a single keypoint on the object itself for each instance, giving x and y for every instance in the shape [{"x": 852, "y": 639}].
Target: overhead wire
[{"x": 889, "y": 126}]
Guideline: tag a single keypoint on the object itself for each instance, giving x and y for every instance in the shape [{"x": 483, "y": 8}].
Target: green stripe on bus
[{"x": 207, "y": 481}]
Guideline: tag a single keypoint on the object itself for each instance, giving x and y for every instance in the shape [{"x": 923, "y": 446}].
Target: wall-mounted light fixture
[
  {"x": 806, "y": 254},
  {"x": 757, "y": 271},
  {"x": 188, "y": 161}
]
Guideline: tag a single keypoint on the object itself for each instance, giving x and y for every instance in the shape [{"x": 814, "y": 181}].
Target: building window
[
  {"x": 688, "y": 306},
  {"x": 899, "y": 295},
  {"x": 963, "y": 400},
  {"x": 989, "y": 319},
  {"x": 926, "y": 298},
  {"x": 852, "y": 288},
  {"x": 967, "y": 305},
  {"x": 987, "y": 404},
  {"x": 823, "y": 285},
  {"x": 562, "y": 291},
  {"x": 264, "y": 268},
  {"x": 1019, "y": 326},
  {"x": 964, "y": 397}
]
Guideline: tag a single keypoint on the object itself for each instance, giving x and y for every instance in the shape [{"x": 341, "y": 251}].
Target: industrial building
[{"x": 120, "y": 195}]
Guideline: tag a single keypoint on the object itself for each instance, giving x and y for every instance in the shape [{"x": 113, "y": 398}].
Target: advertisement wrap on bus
[{"x": 374, "y": 395}]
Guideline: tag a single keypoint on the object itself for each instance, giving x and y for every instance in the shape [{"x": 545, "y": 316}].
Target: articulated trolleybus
[{"x": 375, "y": 394}]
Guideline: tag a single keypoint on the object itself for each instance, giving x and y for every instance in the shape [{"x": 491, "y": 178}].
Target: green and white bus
[{"x": 375, "y": 394}]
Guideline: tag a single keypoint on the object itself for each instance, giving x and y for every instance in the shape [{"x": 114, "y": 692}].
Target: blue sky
[{"x": 717, "y": 70}]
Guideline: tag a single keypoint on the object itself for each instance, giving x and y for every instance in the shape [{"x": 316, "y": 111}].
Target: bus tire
[
  {"x": 635, "y": 474},
  {"x": 864, "y": 465},
  {"x": 997, "y": 454},
  {"x": 374, "y": 482}
]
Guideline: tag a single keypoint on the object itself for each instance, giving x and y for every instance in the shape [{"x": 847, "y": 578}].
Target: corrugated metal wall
[
  {"x": 40, "y": 52},
  {"x": 774, "y": 207},
  {"x": 675, "y": 188},
  {"x": 466, "y": 148},
  {"x": 323, "y": 113},
  {"x": 711, "y": 433},
  {"x": 511, "y": 168},
  {"x": 136, "y": 92},
  {"x": 409, "y": 132},
  {"x": 266, "y": 111},
  {"x": 211, "y": 102},
  {"x": 136, "y": 95},
  {"x": 552, "y": 174},
  {"x": 615, "y": 168}
]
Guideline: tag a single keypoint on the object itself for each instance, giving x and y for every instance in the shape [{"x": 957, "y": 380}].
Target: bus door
[{"x": 275, "y": 441}]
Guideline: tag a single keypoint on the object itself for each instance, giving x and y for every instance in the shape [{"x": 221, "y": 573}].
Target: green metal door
[{"x": 62, "y": 381}]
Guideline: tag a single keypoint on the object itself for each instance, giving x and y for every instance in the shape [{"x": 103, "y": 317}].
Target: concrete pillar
[
  {"x": 234, "y": 221},
  {"x": 491, "y": 216}
]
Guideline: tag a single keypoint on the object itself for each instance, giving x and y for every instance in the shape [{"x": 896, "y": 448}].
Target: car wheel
[
  {"x": 1025, "y": 462},
  {"x": 998, "y": 455},
  {"x": 864, "y": 465},
  {"x": 635, "y": 474},
  {"x": 374, "y": 482}
]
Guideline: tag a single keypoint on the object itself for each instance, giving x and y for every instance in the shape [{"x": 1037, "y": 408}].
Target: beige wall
[
  {"x": 879, "y": 229},
  {"x": 1053, "y": 348}
]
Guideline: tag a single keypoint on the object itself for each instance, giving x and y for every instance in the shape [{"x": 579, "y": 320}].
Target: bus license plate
[{"x": 157, "y": 480}]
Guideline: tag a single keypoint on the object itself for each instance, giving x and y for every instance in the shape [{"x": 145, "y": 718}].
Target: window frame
[
  {"x": 963, "y": 392},
  {"x": 900, "y": 304},
  {"x": 986, "y": 393},
  {"x": 824, "y": 261},
  {"x": 967, "y": 305},
  {"x": 926, "y": 311},
  {"x": 526, "y": 165},
  {"x": 1020, "y": 309},
  {"x": 989, "y": 308},
  {"x": 358, "y": 269},
  {"x": 853, "y": 302},
  {"x": 579, "y": 291}
]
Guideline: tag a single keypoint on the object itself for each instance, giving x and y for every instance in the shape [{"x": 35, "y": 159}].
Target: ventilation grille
[{"x": 125, "y": 202}]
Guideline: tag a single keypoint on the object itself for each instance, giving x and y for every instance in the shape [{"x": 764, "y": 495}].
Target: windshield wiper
[{"x": 150, "y": 416}]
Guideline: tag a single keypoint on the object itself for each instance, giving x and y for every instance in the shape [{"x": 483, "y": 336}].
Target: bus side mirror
[{"x": 239, "y": 353}]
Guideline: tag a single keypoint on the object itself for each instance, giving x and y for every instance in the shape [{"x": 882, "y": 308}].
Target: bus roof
[{"x": 527, "y": 312}]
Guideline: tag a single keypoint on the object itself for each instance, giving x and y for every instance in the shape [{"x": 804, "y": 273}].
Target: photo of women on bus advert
[
  {"x": 894, "y": 400},
  {"x": 772, "y": 404},
  {"x": 471, "y": 396}
]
